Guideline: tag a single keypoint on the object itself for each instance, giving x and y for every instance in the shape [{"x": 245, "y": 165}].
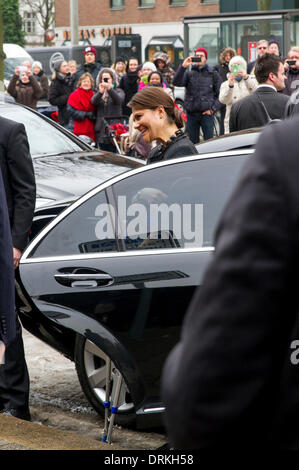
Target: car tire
[
  {"x": 90, "y": 363},
  {"x": 180, "y": 104}
]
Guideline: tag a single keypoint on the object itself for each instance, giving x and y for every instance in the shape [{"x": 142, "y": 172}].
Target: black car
[
  {"x": 113, "y": 274},
  {"x": 245, "y": 139},
  {"x": 65, "y": 166}
]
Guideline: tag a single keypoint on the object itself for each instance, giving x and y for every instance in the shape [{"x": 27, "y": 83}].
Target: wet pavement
[
  {"x": 57, "y": 403},
  {"x": 16, "y": 434}
]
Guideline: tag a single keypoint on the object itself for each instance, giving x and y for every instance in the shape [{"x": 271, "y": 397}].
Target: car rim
[{"x": 95, "y": 367}]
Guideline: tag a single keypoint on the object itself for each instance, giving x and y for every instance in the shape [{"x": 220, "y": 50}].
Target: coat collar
[{"x": 203, "y": 68}]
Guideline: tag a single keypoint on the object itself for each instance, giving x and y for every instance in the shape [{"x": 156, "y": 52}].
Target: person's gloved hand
[{"x": 90, "y": 116}]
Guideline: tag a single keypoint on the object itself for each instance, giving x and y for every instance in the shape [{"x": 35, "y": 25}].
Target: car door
[{"x": 124, "y": 261}]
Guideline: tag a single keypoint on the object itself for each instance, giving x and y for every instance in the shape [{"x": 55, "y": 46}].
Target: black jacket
[
  {"x": 110, "y": 108},
  {"x": 60, "y": 89},
  {"x": 42, "y": 79},
  {"x": 177, "y": 146},
  {"x": 93, "y": 69},
  {"x": 128, "y": 83},
  {"x": 249, "y": 112},
  {"x": 202, "y": 87},
  {"x": 291, "y": 82},
  {"x": 18, "y": 177},
  {"x": 233, "y": 380},
  {"x": 223, "y": 70},
  {"x": 7, "y": 277}
]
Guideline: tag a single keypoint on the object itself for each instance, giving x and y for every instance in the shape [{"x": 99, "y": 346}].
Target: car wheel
[
  {"x": 180, "y": 105},
  {"x": 90, "y": 363}
]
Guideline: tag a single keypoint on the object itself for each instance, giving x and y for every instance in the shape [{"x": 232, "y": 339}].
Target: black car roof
[{"x": 236, "y": 140}]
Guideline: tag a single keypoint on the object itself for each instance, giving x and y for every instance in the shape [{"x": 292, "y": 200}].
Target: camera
[
  {"x": 105, "y": 80},
  {"x": 196, "y": 59},
  {"x": 291, "y": 62}
]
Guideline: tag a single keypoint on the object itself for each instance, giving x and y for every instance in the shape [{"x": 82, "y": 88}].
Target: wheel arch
[{"x": 102, "y": 337}]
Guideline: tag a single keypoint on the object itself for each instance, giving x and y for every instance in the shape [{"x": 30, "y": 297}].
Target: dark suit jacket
[
  {"x": 249, "y": 112},
  {"x": 233, "y": 379},
  {"x": 7, "y": 286},
  {"x": 18, "y": 177}
]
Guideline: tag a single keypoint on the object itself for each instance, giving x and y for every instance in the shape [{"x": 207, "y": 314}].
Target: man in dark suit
[
  {"x": 7, "y": 289},
  {"x": 232, "y": 382},
  {"x": 19, "y": 181},
  {"x": 264, "y": 104}
]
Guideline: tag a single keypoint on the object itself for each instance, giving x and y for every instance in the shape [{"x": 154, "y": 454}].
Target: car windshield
[
  {"x": 10, "y": 64},
  {"x": 44, "y": 139}
]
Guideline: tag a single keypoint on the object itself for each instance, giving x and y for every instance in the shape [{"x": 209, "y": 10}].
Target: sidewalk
[{"x": 16, "y": 434}]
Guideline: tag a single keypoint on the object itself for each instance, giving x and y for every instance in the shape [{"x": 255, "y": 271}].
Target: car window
[
  {"x": 177, "y": 205},
  {"x": 10, "y": 65},
  {"x": 42, "y": 136},
  {"x": 81, "y": 231}
]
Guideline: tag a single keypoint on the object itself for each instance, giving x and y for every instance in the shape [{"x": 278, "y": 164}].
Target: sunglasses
[{"x": 262, "y": 48}]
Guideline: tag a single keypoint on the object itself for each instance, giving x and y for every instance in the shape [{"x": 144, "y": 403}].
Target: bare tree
[{"x": 45, "y": 14}]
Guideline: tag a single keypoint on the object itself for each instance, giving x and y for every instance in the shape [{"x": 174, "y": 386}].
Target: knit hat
[
  {"x": 90, "y": 49},
  {"x": 149, "y": 65},
  {"x": 273, "y": 41},
  {"x": 202, "y": 49},
  {"x": 119, "y": 59},
  {"x": 57, "y": 64},
  {"x": 38, "y": 64}
]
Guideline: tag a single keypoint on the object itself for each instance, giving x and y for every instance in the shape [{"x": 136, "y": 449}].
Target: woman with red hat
[{"x": 202, "y": 84}]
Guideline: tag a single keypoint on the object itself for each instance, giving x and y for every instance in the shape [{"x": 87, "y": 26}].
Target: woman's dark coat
[
  {"x": 25, "y": 93},
  {"x": 60, "y": 89}
]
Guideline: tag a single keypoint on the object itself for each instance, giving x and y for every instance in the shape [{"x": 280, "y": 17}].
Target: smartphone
[
  {"x": 106, "y": 80},
  {"x": 291, "y": 62},
  {"x": 235, "y": 69},
  {"x": 196, "y": 59}
]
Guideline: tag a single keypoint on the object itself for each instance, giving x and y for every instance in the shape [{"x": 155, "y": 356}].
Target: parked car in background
[
  {"x": 242, "y": 140},
  {"x": 92, "y": 286},
  {"x": 15, "y": 55}
]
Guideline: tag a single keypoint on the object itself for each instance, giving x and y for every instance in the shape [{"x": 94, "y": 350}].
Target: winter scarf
[{"x": 80, "y": 99}]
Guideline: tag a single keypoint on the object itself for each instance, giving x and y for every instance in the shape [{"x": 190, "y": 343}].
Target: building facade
[
  {"x": 33, "y": 21},
  {"x": 101, "y": 19},
  {"x": 230, "y": 6}
]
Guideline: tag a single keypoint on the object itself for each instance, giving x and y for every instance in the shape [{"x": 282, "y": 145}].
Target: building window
[
  {"x": 209, "y": 1},
  {"x": 177, "y": 2},
  {"x": 146, "y": 3},
  {"x": 117, "y": 3},
  {"x": 29, "y": 22}
]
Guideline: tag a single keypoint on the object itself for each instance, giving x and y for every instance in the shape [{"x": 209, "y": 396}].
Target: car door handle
[{"x": 87, "y": 280}]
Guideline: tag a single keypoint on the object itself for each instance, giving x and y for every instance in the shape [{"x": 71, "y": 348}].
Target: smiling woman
[
  {"x": 81, "y": 108},
  {"x": 156, "y": 117}
]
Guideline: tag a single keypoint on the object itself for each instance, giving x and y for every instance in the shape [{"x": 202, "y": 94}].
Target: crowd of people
[
  {"x": 89, "y": 95},
  {"x": 252, "y": 278}
]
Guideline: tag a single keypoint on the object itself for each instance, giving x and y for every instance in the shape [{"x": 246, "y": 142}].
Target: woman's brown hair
[
  {"x": 152, "y": 97},
  {"x": 85, "y": 75}
]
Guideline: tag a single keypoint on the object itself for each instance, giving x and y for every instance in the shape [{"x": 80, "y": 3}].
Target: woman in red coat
[{"x": 80, "y": 107}]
